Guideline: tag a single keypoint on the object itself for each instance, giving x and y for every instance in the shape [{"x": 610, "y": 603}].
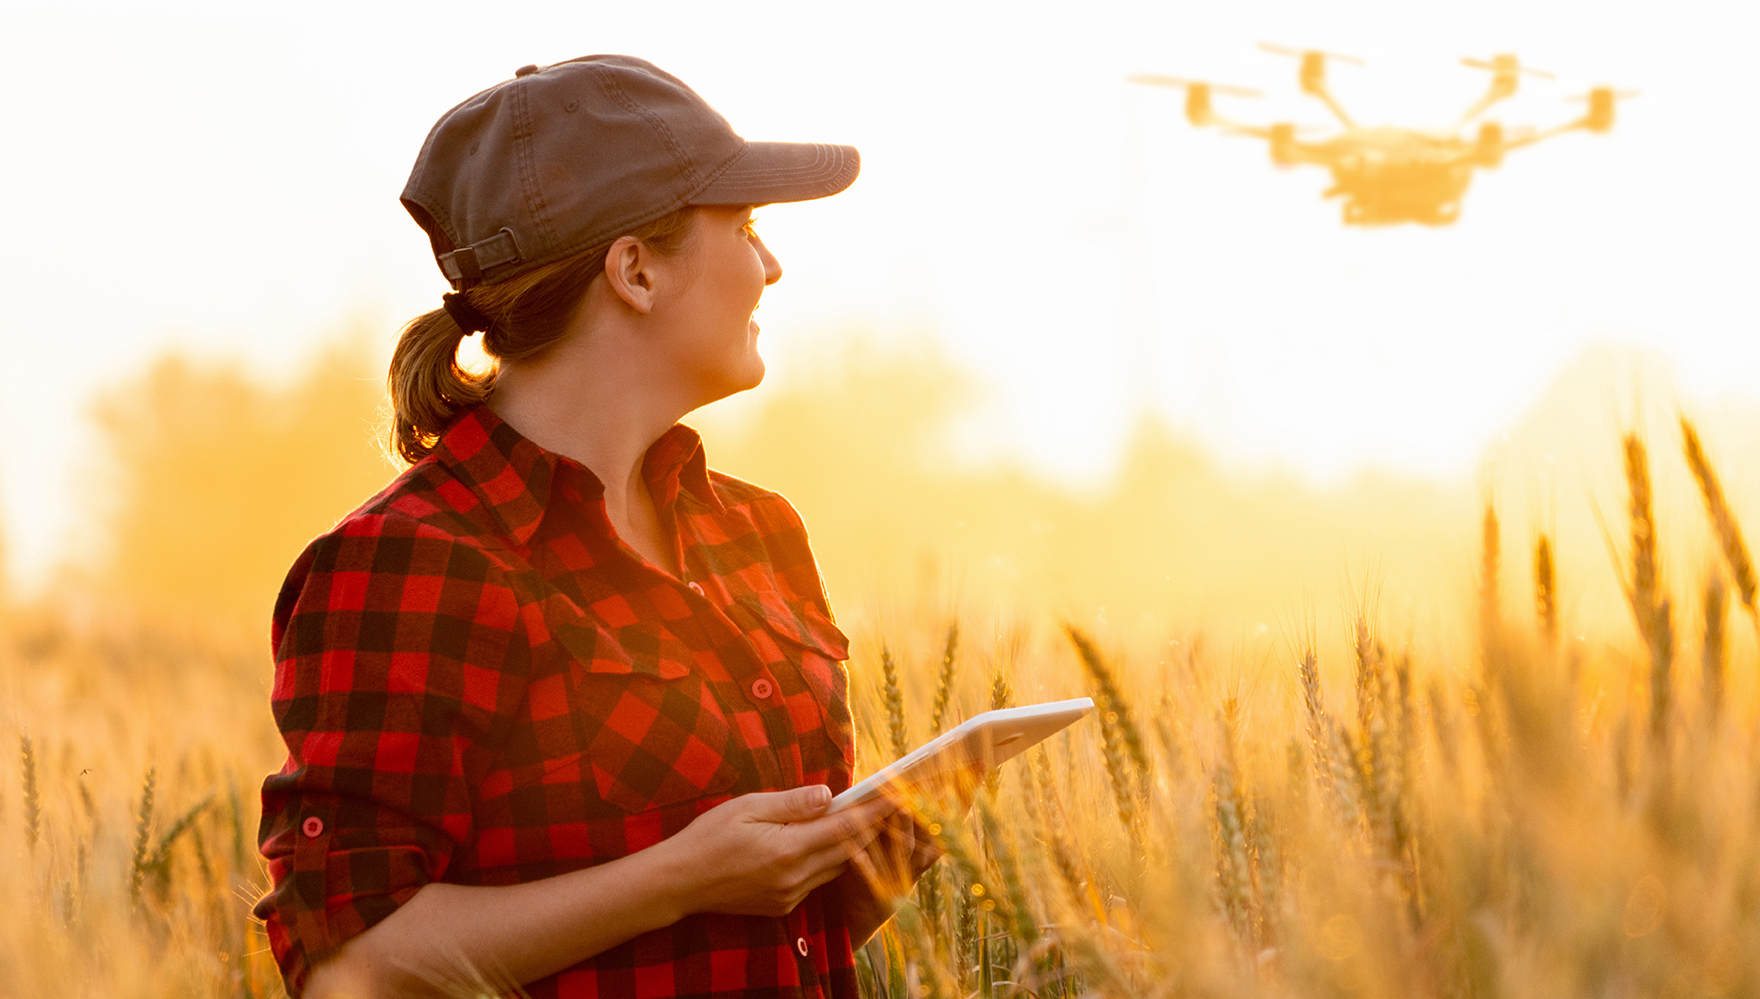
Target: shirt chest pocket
[
  {"x": 649, "y": 730},
  {"x": 798, "y": 635}
]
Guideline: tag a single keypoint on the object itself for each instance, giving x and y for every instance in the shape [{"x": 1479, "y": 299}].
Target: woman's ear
[{"x": 629, "y": 270}]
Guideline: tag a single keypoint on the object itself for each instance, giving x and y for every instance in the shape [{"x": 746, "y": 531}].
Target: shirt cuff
[{"x": 326, "y": 890}]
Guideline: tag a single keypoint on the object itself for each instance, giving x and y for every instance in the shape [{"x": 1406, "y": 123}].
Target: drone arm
[
  {"x": 1325, "y": 97},
  {"x": 1286, "y": 149},
  {"x": 1492, "y": 96},
  {"x": 1489, "y": 152},
  {"x": 1238, "y": 128},
  {"x": 1535, "y": 137}
]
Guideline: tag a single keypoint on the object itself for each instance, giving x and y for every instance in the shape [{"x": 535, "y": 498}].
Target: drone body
[{"x": 1385, "y": 175}]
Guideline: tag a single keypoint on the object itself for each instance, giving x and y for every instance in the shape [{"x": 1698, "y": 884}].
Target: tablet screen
[{"x": 967, "y": 752}]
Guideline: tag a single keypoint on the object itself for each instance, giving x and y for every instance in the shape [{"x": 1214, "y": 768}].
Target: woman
[{"x": 563, "y": 708}]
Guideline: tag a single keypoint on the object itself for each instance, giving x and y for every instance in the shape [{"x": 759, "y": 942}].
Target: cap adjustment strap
[{"x": 466, "y": 265}]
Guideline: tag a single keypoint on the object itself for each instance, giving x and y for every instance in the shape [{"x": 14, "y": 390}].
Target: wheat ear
[
  {"x": 1654, "y": 617},
  {"x": 1723, "y": 520},
  {"x": 1546, "y": 591}
]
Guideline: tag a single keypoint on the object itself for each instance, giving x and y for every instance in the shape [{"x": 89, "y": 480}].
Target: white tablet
[{"x": 975, "y": 747}]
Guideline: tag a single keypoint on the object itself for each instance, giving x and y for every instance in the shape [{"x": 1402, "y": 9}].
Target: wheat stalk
[
  {"x": 1376, "y": 755},
  {"x": 1313, "y": 701},
  {"x": 1335, "y": 769},
  {"x": 1111, "y": 737},
  {"x": 1490, "y": 557},
  {"x": 929, "y": 965},
  {"x": 967, "y": 892},
  {"x": 159, "y": 863},
  {"x": 1723, "y": 520},
  {"x": 944, "y": 683},
  {"x": 137, "y": 868},
  {"x": 1654, "y": 618},
  {"x": 1442, "y": 721},
  {"x": 1713, "y": 651},
  {"x": 33, "y": 801},
  {"x": 1054, "y": 823},
  {"x": 894, "y": 695},
  {"x": 1546, "y": 591},
  {"x": 1230, "y": 828},
  {"x": 1115, "y": 709},
  {"x": 235, "y": 821},
  {"x": 1016, "y": 908},
  {"x": 1267, "y": 870},
  {"x": 1001, "y": 696}
]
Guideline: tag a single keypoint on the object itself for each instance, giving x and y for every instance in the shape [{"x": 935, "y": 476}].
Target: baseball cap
[{"x": 564, "y": 158}]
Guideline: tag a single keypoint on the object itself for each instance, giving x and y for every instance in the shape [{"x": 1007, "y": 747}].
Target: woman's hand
[
  {"x": 761, "y": 853},
  {"x": 898, "y": 856},
  {"x": 881, "y": 875}
]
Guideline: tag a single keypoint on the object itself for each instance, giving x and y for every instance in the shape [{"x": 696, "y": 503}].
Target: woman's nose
[{"x": 772, "y": 267}]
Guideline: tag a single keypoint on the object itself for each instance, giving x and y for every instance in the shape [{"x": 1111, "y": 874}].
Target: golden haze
[{"x": 1440, "y": 800}]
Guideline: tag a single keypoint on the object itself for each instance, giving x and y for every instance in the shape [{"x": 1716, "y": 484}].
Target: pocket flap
[
  {"x": 800, "y": 623},
  {"x": 650, "y": 650}
]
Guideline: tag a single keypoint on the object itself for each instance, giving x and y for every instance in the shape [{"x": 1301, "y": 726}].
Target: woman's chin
[
  {"x": 749, "y": 375},
  {"x": 755, "y": 373}
]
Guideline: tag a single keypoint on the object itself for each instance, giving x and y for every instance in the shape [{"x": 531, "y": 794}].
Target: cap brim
[{"x": 771, "y": 172}]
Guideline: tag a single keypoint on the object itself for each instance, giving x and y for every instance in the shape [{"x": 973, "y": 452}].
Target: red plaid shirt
[{"x": 478, "y": 683}]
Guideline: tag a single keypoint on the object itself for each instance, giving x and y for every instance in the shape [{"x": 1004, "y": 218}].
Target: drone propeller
[
  {"x": 1284, "y": 50},
  {"x": 1293, "y": 130},
  {"x": 1601, "y": 100},
  {"x": 1507, "y": 64},
  {"x": 1157, "y": 80}
]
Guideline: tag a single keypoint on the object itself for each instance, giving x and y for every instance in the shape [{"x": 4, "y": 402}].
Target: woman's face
[{"x": 708, "y": 324}]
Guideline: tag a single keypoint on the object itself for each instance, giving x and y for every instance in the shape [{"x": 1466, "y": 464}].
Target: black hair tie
[{"x": 464, "y": 313}]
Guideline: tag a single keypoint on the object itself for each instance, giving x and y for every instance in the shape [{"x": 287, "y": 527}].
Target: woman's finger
[
  {"x": 886, "y": 865},
  {"x": 859, "y": 825},
  {"x": 837, "y": 853},
  {"x": 864, "y": 866},
  {"x": 806, "y": 887}
]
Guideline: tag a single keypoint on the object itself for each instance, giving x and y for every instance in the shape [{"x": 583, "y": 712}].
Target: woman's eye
[{"x": 749, "y": 228}]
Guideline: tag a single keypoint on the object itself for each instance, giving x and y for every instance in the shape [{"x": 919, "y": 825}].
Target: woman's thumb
[{"x": 796, "y": 805}]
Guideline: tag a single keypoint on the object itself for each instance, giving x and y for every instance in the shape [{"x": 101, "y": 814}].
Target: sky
[{"x": 222, "y": 178}]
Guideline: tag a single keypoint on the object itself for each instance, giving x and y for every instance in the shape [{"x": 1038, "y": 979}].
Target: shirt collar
[
  {"x": 513, "y": 478},
  {"x": 676, "y": 463}
]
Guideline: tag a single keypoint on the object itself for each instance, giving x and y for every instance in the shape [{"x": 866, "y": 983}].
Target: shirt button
[
  {"x": 313, "y": 827},
  {"x": 800, "y": 944},
  {"x": 696, "y": 587},
  {"x": 762, "y": 688}
]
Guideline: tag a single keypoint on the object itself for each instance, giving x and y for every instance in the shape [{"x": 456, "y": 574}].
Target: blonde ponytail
[{"x": 428, "y": 387}]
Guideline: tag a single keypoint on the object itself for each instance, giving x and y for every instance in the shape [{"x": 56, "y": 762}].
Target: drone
[{"x": 1386, "y": 175}]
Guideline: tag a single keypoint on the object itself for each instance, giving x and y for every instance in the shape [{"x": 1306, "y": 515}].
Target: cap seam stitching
[
  {"x": 794, "y": 174},
  {"x": 534, "y": 197},
  {"x": 679, "y": 158}
]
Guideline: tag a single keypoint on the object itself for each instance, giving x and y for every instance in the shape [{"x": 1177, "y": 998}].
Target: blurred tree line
[
  {"x": 217, "y": 478},
  {"x": 214, "y": 479}
]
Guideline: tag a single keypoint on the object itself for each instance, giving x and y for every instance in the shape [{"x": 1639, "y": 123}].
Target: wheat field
[{"x": 1365, "y": 800}]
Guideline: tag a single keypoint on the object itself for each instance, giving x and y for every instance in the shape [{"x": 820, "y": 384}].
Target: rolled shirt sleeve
[{"x": 400, "y": 665}]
